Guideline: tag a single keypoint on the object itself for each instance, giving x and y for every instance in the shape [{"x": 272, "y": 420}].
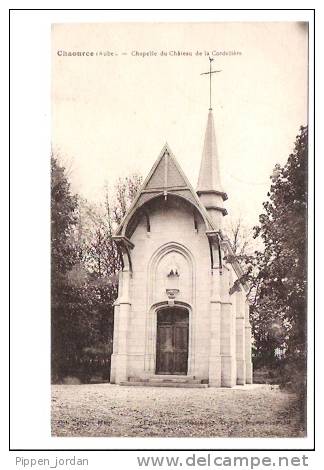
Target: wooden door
[{"x": 172, "y": 341}]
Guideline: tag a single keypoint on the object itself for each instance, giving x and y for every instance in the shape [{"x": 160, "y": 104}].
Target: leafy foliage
[
  {"x": 278, "y": 274},
  {"x": 63, "y": 219},
  {"x": 85, "y": 263}
]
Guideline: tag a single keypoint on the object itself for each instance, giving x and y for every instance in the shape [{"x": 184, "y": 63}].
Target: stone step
[
  {"x": 171, "y": 376},
  {"x": 164, "y": 384},
  {"x": 168, "y": 378},
  {"x": 174, "y": 379},
  {"x": 158, "y": 378}
]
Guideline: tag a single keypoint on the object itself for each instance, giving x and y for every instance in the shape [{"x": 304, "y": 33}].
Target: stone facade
[{"x": 175, "y": 258}]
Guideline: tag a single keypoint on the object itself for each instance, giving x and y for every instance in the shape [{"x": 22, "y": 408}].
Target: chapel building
[{"x": 182, "y": 315}]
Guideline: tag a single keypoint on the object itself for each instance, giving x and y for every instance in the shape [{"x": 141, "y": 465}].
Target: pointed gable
[{"x": 166, "y": 177}]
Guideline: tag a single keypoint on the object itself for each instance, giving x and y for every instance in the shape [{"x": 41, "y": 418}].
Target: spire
[
  {"x": 209, "y": 187},
  {"x": 209, "y": 176}
]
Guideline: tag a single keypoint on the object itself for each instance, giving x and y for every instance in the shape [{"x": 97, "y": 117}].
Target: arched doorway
[{"x": 172, "y": 341}]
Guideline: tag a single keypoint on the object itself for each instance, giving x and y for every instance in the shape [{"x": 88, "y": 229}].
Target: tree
[
  {"x": 125, "y": 192},
  {"x": 63, "y": 219},
  {"x": 241, "y": 237},
  {"x": 85, "y": 263},
  {"x": 63, "y": 258},
  {"x": 279, "y": 311}
]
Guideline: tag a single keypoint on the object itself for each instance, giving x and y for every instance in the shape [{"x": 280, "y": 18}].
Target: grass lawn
[{"x": 112, "y": 410}]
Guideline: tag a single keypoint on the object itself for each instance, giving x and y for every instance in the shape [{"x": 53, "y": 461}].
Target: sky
[{"x": 113, "y": 112}]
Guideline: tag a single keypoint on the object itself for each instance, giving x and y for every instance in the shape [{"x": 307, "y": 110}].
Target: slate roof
[{"x": 166, "y": 177}]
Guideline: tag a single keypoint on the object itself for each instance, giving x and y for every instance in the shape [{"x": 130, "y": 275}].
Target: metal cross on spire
[{"x": 210, "y": 74}]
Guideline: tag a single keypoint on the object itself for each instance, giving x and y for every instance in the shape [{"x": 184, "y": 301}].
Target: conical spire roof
[{"x": 209, "y": 175}]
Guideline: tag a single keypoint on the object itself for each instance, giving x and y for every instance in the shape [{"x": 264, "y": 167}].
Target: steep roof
[{"x": 166, "y": 177}]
